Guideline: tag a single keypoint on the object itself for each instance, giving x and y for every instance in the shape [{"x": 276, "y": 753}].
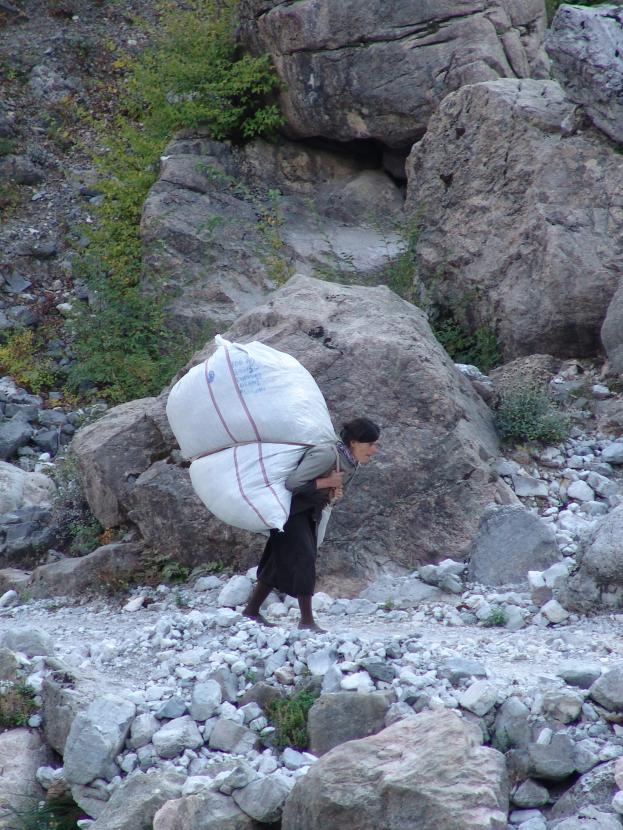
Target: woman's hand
[
  {"x": 333, "y": 481},
  {"x": 337, "y": 493}
]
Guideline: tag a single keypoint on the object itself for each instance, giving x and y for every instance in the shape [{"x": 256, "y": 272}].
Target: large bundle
[{"x": 246, "y": 416}]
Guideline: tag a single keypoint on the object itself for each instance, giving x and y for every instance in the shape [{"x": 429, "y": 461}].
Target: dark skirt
[{"x": 288, "y": 563}]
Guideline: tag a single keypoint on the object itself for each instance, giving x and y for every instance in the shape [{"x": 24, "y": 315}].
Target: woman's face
[{"x": 363, "y": 450}]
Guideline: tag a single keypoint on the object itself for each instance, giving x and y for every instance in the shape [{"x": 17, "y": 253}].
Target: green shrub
[
  {"x": 22, "y": 358},
  {"x": 496, "y": 618},
  {"x": 527, "y": 414},
  {"x": 16, "y": 705},
  {"x": 479, "y": 348},
  {"x": 60, "y": 813},
  {"x": 289, "y": 717},
  {"x": 192, "y": 75}
]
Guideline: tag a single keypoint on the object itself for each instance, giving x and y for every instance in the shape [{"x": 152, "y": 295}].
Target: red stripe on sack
[
  {"x": 255, "y": 430},
  {"x": 243, "y": 494},
  {"x": 267, "y": 482},
  {"x": 215, "y": 405}
]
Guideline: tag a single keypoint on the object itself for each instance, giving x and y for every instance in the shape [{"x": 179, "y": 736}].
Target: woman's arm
[{"x": 314, "y": 470}]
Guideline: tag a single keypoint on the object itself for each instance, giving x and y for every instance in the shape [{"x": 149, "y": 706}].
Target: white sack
[
  {"x": 245, "y": 485},
  {"x": 247, "y": 392}
]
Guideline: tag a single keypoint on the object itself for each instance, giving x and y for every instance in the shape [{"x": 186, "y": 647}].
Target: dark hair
[{"x": 360, "y": 429}]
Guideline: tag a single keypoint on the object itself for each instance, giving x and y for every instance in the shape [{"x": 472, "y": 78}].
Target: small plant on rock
[
  {"x": 527, "y": 414},
  {"x": 16, "y": 705},
  {"x": 496, "y": 619},
  {"x": 289, "y": 717},
  {"x": 58, "y": 813},
  {"x": 22, "y": 357}
]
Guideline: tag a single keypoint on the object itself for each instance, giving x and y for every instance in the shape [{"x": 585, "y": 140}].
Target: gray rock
[
  {"x": 326, "y": 54},
  {"x": 206, "y": 699},
  {"x": 510, "y": 542},
  {"x": 143, "y": 727},
  {"x": 28, "y": 639},
  {"x": 235, "y": 592},
  {"x": 479, "y": 698},
  {"x": 458, "y": 668},
  {"x": 586, "y": 47},
  {"x": 91, "y": 799},
  {"x": 95, "y": 738},
  {"x": 539, "y": 178},
  {"x": 579, "y": 673},
  {"x": 231, "y": 737},
  {"x": 8, "y": 665},
  {"x": 75, "y": 575},
  {"x": 530, "y": 794},
  {"x": 204, "y": 810},
  {"x": 593, "y": 789},
  {"x": 429, "y": 768},
  {"x": 264, "y": 798},
  {"x": 590, "y": 819},
  {"x": 562, "y": 706},
  {"x": 19, "y": 489},
  {"x": 554, "y": 761},
  {"x": 607, "y": 690},
  {"x": 133, "y": 805},
  {"x": 176, "y": 736},
  {"x": 14, "y": 434},
  {"x": 22, "y": 752},
  {"x": 174, "y": 707},
  {"x": 340, "y": 717}
]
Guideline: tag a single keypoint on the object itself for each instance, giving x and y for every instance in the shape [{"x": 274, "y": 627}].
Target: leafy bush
[
  {"x": 21, "y": 358},
  {"x": 527, "y": 414},
  {"x": 59, "y": 813},
  {"x": 479, "y": 348},
  {"x": 78, "y": 529},
  {"x": 192, "y": 75},
  {"x": 289, "y": 717},
  {"x": 16, "y": 705},
  {"x": 496, "y": 618}
]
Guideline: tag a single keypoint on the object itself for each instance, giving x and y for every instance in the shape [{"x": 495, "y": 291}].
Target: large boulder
[
  {"x": 428, "y": 772},
  {"x": 371, "y": 353},
  {"x": 22, "y": 752},
  {"x": 112, "y": 452},
  {"x": 205, "y": 810},
  {"x": 598, "y": 580},
  {"x": 337, "y": 718},
  {"x": 19, "y": 489},
  {"x": 519, "y": 215},
  {"x": 376, "y": 70},
  {"x": 510, "y": 542},
  {"x": 225, "y": 225},
  {"x": 612, "y": 331},
  {"x": 134, "y": 804},
  {"x": 586, "y": 47}
]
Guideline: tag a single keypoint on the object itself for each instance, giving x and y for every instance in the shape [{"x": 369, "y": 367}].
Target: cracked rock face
[
  {"x": 586, "y": 47},
  {"x": 354, "y": 70},
  {"x": 520, "y": 217}
]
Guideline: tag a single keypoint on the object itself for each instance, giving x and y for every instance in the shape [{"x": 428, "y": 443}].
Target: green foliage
[
  {"x": 7, "y": 146},
  {"x": 21, "y": 357},
  {"x": 78, "y": 530},
  {"x": 289, "y": 717},
  {"x": 85, "y": 536},
  {"x": 402, "y": 270},
  {"x": 16, "y": 705},
  {"x": 60, "y": 813},
  {"x": 10, "y": 197},
  {"x": 388, "y": 605},
  {"x": 497, "y": 618},
  {"x": 159, "y": 567},
  {"x": 192, "y": 75},
  {"x": 479, "y": 348},
  {"x": 525, "y": 413}
]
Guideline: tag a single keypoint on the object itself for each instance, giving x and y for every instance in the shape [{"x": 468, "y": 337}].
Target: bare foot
[
  {"x": 259, "y": 619},
  {"x": 313, "y": 626}
]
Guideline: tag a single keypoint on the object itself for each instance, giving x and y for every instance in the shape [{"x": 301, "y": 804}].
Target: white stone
[
  {"x": 359, "y": 682},
  {"x": 235, "y": 592},
  {"x": 554, "y": 611},
  {"x": 479, "y": 698},
  {"x": 613, "y": 453},
  {"x": 134, "y": 604},
  {"x": 580, "y": 491},
  {"x": 206, "y": 699}
]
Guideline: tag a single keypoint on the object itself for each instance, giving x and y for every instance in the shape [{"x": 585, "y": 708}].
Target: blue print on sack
[
  {"x": 210, "y": 376},
  {"x": 248, "y": 375}
]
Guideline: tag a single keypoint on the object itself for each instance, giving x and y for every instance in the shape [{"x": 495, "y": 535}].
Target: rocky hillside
[{"x": 424, "y": 206}]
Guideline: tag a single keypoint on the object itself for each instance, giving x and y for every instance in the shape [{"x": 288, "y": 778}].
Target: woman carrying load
[{"x": 288, "y": 563}]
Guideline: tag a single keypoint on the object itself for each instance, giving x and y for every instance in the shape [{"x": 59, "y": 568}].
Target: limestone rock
[
  {"x": 95, "y": 738},
  {"x": 326, "y": 53},
  {"x": 510, "y": 542},
  {"x": 128, "y": 439},
  {"x": 21, "y": 489},
  {"x": 554, "y": 761},
  {"x": 74, "y": 575},
  {"x": 223, "y": 224},
  {"x": 542, "y": 213},
  {"x": 134, "y": 804},
  {"x": 263, "y": 799},
  {"x": 427, "y": 771},
  {"x": 607, "y": 690},
  {"x": 593, "y": 789},
  {"x": 612, "y": 334},
  {"x": 204, "y": 810},
  {"x": 176, "y": 736},
  {"x": 586, "y": 47},
  {"x": 27, "y": 639},
  {"x": 22, "y": 752},
  {"x": 340, "y": 717}
]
